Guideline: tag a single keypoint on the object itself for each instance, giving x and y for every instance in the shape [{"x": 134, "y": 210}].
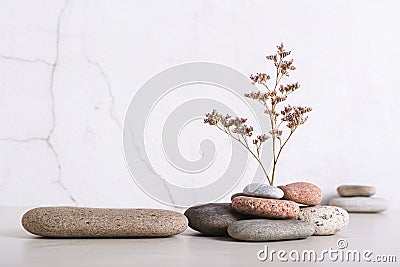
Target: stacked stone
[
  {"x": 263, "y": 213},
  {"x": 358, "y": 198},
  {"x": 259, "y": 213}
]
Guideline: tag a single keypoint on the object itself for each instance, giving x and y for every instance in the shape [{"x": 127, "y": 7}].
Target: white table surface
[{"x": 376, "y": 232}]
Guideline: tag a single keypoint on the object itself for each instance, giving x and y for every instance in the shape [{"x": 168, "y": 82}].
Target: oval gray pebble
[
  {"x": 98, "y": 222},
  {"x": 327, "y": 220},
  {"x": 263, "y": 190},
  {"x": 360, "y": 204},
  {"x": 213, "y": 218},
  {"x": 268, "y": 230}
]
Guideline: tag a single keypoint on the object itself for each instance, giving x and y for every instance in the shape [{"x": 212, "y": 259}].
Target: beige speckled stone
[
  {"x": 327, "y": 220},
  {"x": 97, "y": 222},
  {"x": 266, "y": 208},
  {"x": 303, "y": 193},
  {"x": 355, "y": 191}
]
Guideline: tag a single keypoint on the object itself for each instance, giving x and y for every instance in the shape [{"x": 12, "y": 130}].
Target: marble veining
[
  {"x": 47, "y": 139},
  {"x": 113, "y": 114}
]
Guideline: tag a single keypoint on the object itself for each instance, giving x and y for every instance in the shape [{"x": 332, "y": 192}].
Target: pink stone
[
  {"x": 303, "y": 193},
  {"x": 266, "y": 208}
]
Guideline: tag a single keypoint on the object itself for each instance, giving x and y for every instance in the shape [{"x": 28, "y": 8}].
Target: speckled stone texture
[
  {"x": 360, "y": 204},
  {"x": 327, "y": 220},
  {"x": 266, "y": 208},
  {"x": 303, "y": 193},
  {"x": 269, "y": 230},
  {"x": 263, "y": 190},
  {"x": 213, "y": 219},
  {"x": 355, "y": 191},
  {"x": 96, "y": 222}
]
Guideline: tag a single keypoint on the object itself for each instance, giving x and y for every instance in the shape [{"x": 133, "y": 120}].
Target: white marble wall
[{"x": 68, "y": 70}]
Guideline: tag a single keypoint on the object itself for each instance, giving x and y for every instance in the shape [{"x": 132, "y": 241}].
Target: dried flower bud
[
  {"x": 284, "y": 53},
  {"x": 263, "y": 138},
  {"x": 243, "y": 130},
  {"x": 280, "y": 47},
  {"x": 294, "y": 116},
  {"x": 276, "y": 132},
  {"x": 215, "y": 118},
  {"x": 260, "y": 78},
  {"x": 285, "y": 66},
  {"x": 273, "y": 57},
  {"x": 288, "y": 88},
  {"x": 211, "y": 118},
  {"x": 261, "y": 96}
]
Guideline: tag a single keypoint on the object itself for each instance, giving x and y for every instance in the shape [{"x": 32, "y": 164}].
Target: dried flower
[
  {"x": 226, "y": 122},
  {"x": 292, "y": 116},
  {"x": 263, "y": 138},
  {"x": 272, "y": 57},
  {"x": 260, "y": 78},
  {"x": 243, "y": 130},
  {"x": 260, "y": 139},
  {"x": 288, "y": 88},
  {"x": 275, "y": 132}
]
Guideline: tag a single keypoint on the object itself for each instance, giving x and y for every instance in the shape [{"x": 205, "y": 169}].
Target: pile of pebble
[
  {"x": 357, "y": 198},
  {"x": 260, "y": 213},
  {"x": 263, "y": 213}
]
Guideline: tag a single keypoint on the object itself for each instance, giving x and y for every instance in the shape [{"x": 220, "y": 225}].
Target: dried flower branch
[{"x": 291, "y": 116}]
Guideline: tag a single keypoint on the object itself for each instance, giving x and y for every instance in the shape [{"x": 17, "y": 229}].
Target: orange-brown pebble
[
  {"x": 303, "y": 193},
  {"x": 266, "y": 208}
]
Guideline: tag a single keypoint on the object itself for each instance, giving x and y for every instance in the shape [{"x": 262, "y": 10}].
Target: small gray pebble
[{"x": 263, "y": 190}]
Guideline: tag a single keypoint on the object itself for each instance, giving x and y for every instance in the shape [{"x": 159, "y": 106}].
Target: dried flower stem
[
  {"x": 270, "y": 99},
  {"x": 246, "y": 145}
]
